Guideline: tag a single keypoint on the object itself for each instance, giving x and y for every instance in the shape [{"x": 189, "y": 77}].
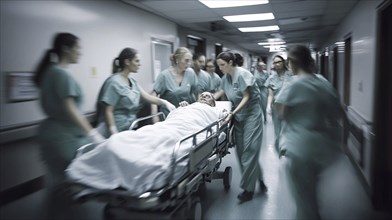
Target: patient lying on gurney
[{"x": 140, "y": 160}]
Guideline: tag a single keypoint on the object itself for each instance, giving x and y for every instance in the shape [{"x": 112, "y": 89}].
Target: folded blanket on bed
[{"x": 140, "y": 160}]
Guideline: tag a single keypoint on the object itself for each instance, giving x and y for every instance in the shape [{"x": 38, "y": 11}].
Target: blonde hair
[{"x": 178, "y": 54}]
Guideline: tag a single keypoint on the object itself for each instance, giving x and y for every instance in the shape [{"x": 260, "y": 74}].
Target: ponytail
[
  {"x": 54, "y": 55},
  {"x": 42, "y": 66}
]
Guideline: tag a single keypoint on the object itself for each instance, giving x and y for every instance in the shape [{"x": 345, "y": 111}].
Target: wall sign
[{"x": 21, "y": 87}]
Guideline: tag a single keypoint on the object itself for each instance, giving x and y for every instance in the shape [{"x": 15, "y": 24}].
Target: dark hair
[
  {"x": 237, "y": 59},
  {"x": 197, "y": 55},
  {"x": 119, "y": 62},
  {"x": 300, "y": 57},
  {"x": 283, "y": 60},
  {"x": 60, "y": 41}
]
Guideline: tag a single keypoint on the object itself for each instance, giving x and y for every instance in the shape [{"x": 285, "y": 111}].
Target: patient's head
[{"x": 207, "y": 98}]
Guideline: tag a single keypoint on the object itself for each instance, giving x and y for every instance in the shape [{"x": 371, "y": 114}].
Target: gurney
[{"x": 179, "y": 198}]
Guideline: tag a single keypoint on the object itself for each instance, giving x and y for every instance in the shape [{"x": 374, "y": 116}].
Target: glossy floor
[{"x": 341, "y": 197}]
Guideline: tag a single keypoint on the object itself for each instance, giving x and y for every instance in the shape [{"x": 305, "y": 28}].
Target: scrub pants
[{"x": 248, "y": 135}]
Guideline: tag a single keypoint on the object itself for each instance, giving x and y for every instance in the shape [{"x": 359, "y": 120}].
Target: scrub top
[
  {"x": 234, "y": 85},
  {"x": 58, "y": 135},
  {"x": 168, "y": 89},
  {"x": 275, "y": 83},
  {"x": 124, "y": 97},
  {"x": 261, "y": 78},
  {"x": 306, "y": 133},
  {"x": 216, "y": 82},
  {"x": 203, "y": 82}
]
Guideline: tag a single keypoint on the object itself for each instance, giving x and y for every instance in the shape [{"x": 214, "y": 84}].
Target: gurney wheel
[
  {"x": 227, "y": 178},
  {"x": 195, "y": 210}
]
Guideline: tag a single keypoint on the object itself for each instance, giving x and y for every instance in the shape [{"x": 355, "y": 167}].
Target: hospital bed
[{"x": 180, "y": 198}]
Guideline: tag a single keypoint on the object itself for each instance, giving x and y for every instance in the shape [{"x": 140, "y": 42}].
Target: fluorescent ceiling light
[
  {"x": 259, "y": 29},
  {"x": 274, "y": 46},
  {"x": 271, "y": 43},
  {"x": 249, "y": 17},
  {"x": 227, "y": 4}
]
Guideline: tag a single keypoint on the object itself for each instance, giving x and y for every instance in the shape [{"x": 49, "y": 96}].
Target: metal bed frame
[{"x": 179, "y": 199}]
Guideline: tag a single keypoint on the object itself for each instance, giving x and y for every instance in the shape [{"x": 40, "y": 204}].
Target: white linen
[{"x": 139, "y": 160}]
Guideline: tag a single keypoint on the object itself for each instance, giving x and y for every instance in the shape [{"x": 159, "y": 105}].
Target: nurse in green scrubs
[
  {"x": 308, "y": 145},
  {"x": 216, "y": 81},
  {"x": 239, "y": 85},
  {"x": 203, "y": 78},
  {"x": 274, "y": 83},
  {"x": 178, "y": 82},
  {"x": 65, "y": 129},
  {"x": 261, "y": 76},
  {"x": 120, "y": 98}
]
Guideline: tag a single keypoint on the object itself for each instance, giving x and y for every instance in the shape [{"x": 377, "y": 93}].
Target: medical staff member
[
  {"x": 216, "y": 81},
  {"x": 240, "y": 88},
  {"x": 308, "y": 146},
  {"x": 261, "y": 76},
  {"x": 65, "y": 129},
  {"x": 120, "y": 98},
  {"x": 274, "y": 83},
  {"x": 178, "y": 82},
  {"x": 203, "y": 78}
]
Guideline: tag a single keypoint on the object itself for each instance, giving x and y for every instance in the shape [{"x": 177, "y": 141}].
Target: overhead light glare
[
  {"x": 259, "y": 29},
  {"x": 228, "y": 4},
  {"x": 249, "y": 17},
  {"x": 271, "y": 43}
]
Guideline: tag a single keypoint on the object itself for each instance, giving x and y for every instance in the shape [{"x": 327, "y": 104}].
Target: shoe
[
  {"x": 263, "y": 187},
  {"x": 245, "y": 196}
]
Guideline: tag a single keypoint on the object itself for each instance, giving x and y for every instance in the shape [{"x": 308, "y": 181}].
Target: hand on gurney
[
  {"x": 168, "y": 105},
  {"x": 95, "y": 136},
  {"x": 228, "y": 117}
]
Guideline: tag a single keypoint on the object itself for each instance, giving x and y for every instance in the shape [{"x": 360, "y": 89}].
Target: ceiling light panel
[
  {"x": 259, "y": 29},
  {"x": 227, "y": 4},
  {"x": 249, "y": 17}
]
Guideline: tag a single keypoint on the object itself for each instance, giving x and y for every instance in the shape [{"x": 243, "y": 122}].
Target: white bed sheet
[{"x": 140, "y": 160}]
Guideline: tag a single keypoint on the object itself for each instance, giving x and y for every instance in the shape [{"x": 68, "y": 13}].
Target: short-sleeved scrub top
[
  {"x": 125, "y": 99},
  {"x": 58, "y": 135},
  {"x": 275, "y": 83},
  {"x": 203, "y": 82},
  {"x": 261, "y": 78},
  {"x": 312, "y": 102},
  {"x": 216, "y": 82},
  {"x": 167, "y": 88},
  {"x": 235, "y": 85}
]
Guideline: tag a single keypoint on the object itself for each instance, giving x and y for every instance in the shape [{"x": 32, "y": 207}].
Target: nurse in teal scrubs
[
  {"x": 65, "y": 129},
  {"x": 308, "y": 145},
  {"x": 275, "y": 82},
  {"x": 261, "y": 76},
  {"x": 239, "y": 85},
  {"x": 203, "y": 78},
  {"x": 178, "y": 82},
  {"x": 120, "y": 98},
  {"x": 216, "y": 81}
]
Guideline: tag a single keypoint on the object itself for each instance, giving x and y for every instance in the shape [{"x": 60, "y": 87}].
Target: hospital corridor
[{"x": 342, "y": 195}]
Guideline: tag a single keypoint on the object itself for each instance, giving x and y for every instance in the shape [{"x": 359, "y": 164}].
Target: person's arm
[
  {"x": 281, "y": 110},
  {"x": 155, "y": 100},
  {"x": 78, "y": 119},
  {"x": 109, "y": 119},
  {"x": 245, "y": 99},
  {"x": 269, "y": 100},
  {"x": 219, "y": 94}
]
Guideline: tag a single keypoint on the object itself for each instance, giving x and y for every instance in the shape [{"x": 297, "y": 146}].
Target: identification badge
[{"x": 235, "y": 86}]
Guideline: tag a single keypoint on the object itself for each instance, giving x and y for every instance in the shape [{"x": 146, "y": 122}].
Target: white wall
[
  {"x": 361, "y": 24},
  {"x": 104, "y": 27}
]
